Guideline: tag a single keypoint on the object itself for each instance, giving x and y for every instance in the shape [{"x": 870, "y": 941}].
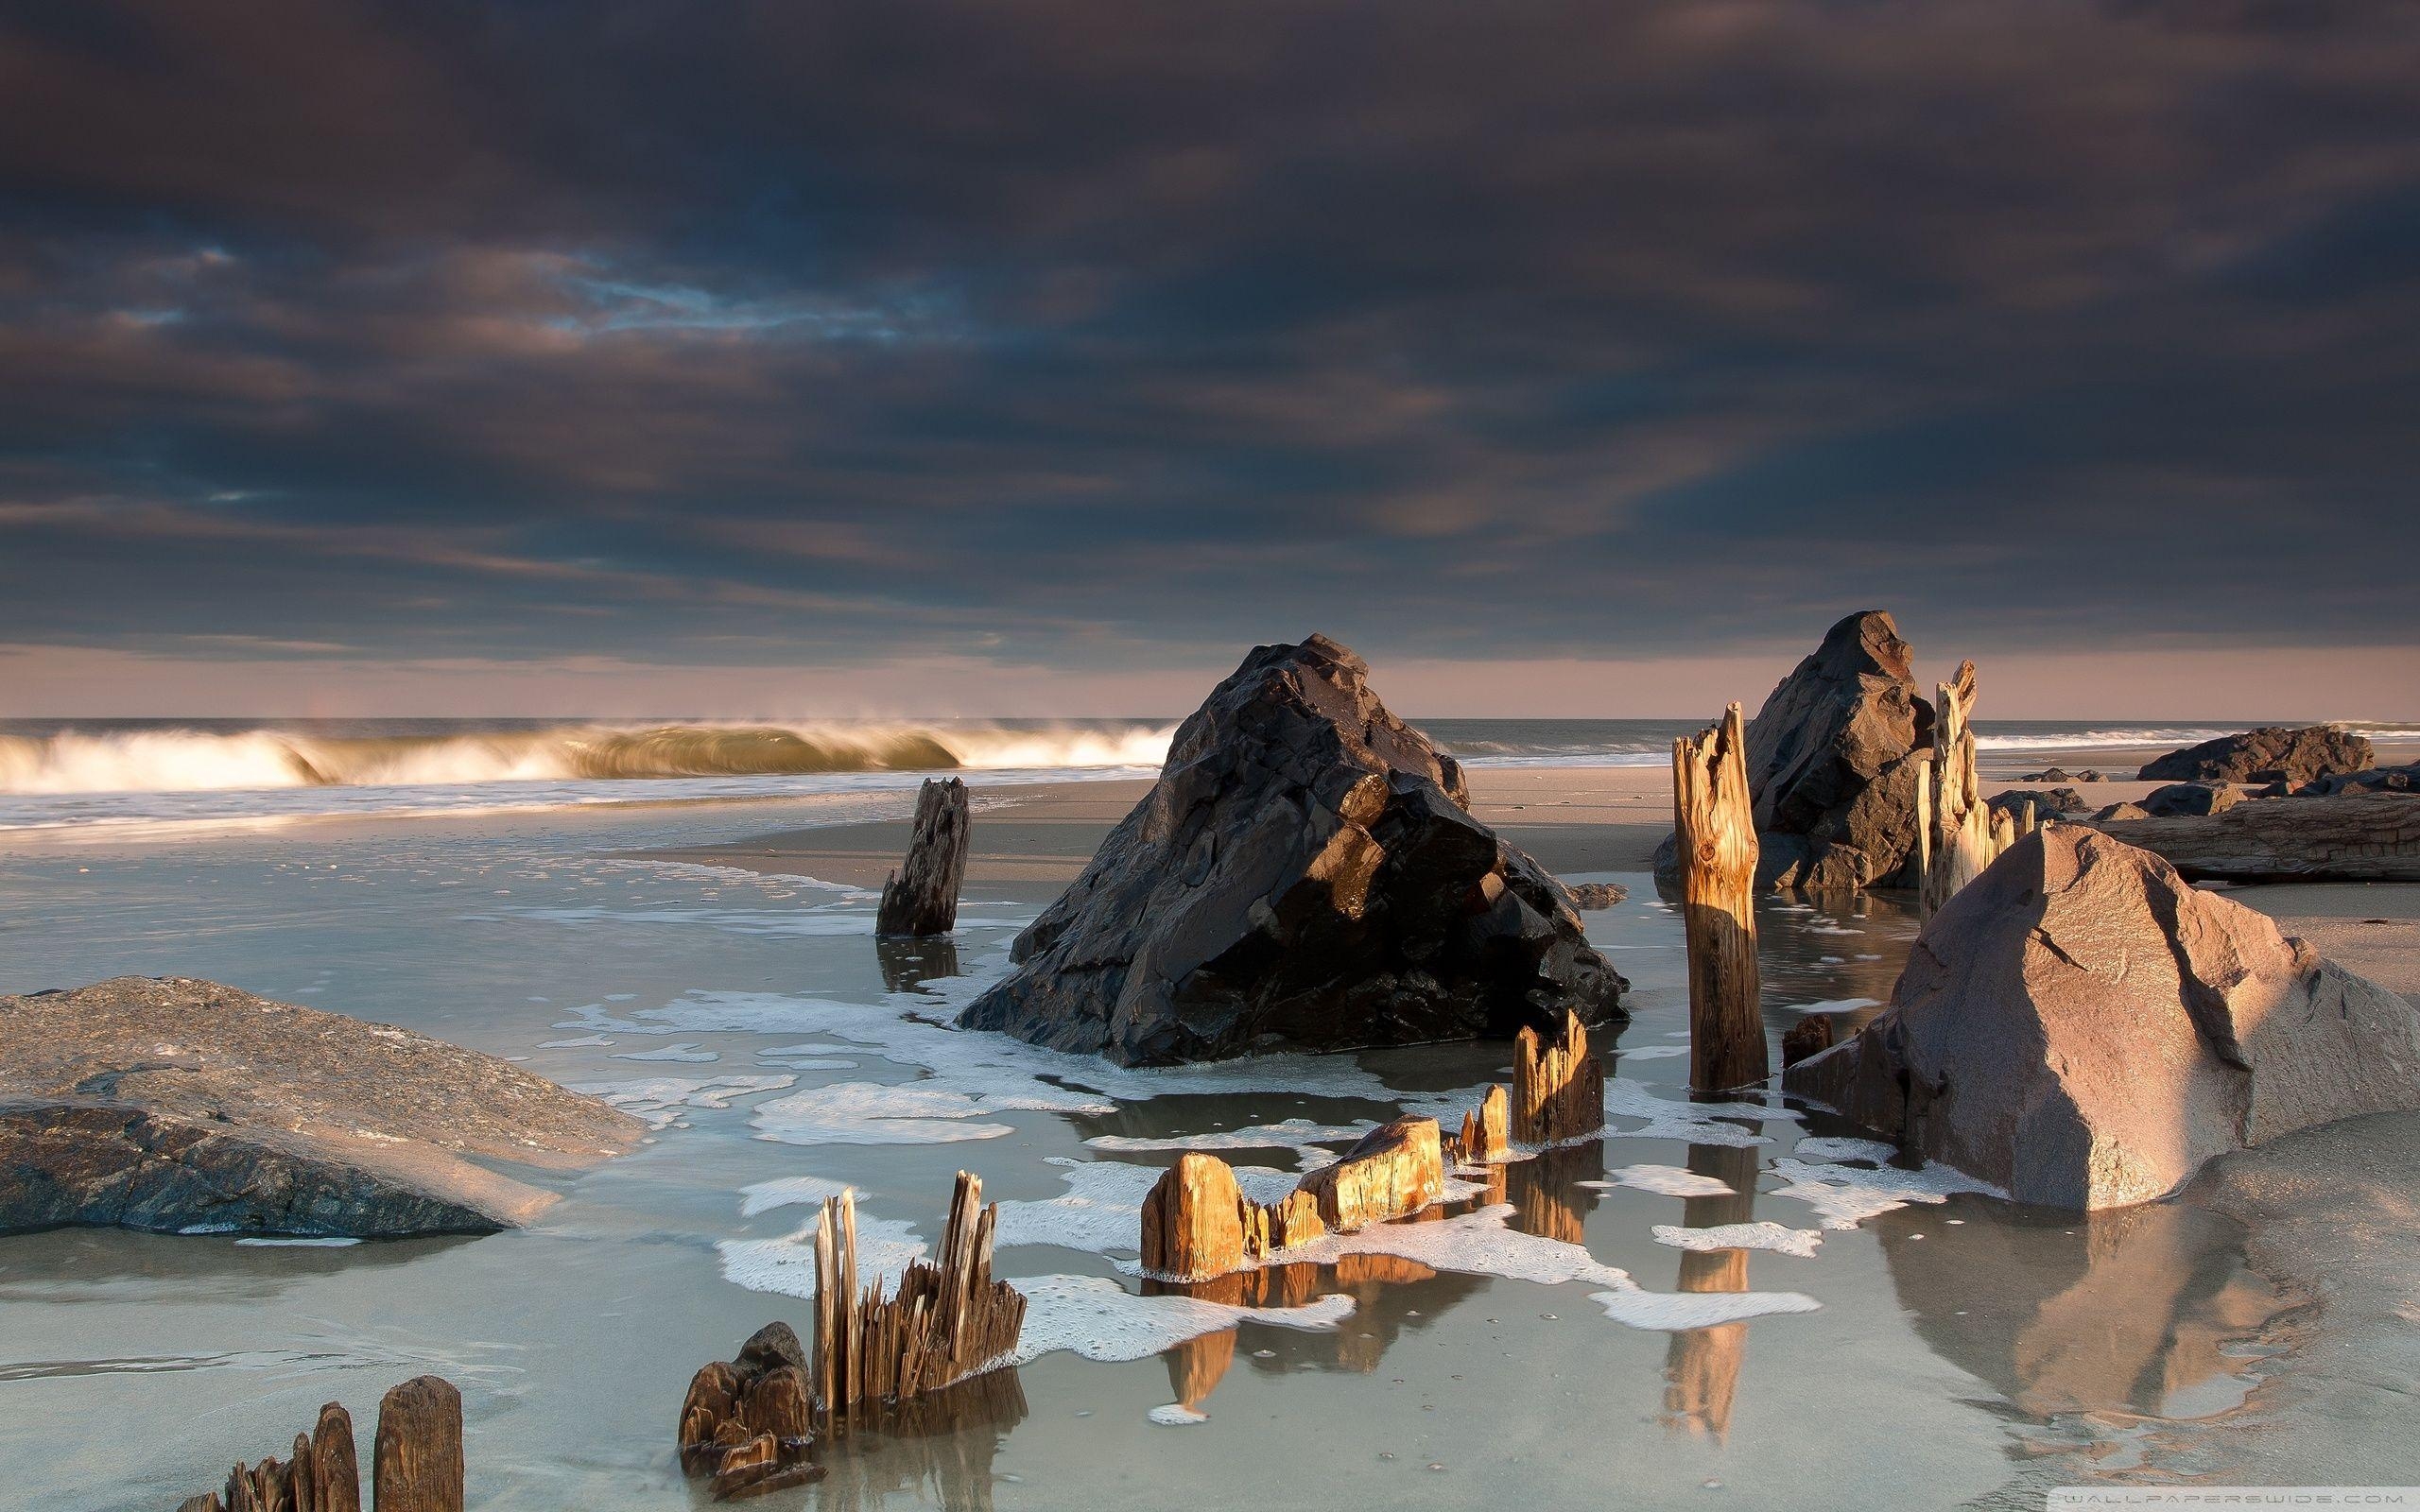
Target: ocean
[{"x": 168, "y": 774}]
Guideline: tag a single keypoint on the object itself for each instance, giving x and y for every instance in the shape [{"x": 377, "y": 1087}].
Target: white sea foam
[
  {"x": 685, "y": 1051},
  {"x": 300, "y": 1244},
  {"x": 1689, "y": 1123},
  {"x": 786, "y": 1266},
  {"x": 1650, "y": 1052},
  {"x": 1297, "y": 1134},
  {"x": 1831, "y": 1148},
  {"x": 1834, "y": 1005},
  {"x": 661, "y": 1099},
  {"x": 1101, "y": 1320},
  {"x": 1177, "y": 1415},
  {"x": 1844, "y": 1196},
  {"x": 787, "y": 1191},
  {"x": 1678, "y": 1312},
  {"x": 1665, "y": 1180},
  {"x": 1773, "y": 1236}
]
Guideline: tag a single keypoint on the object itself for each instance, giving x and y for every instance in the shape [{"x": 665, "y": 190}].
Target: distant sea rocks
[
  {"x": 1305, "y": 875},
  {"x": 2045, "y": 804},
  {"x": 2190, "y": 799},
  {"x": 1834, "y": 758},
  {"x": 2270, "y": 754},
  {"x": 2083, "y": 1028},
  {"x": 182, "y": 1105}
]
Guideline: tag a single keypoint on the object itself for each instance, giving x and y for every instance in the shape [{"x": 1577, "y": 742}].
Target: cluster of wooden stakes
[{"x": 416, "y": 1465}]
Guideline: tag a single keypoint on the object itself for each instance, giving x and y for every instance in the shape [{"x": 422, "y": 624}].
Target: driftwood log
[
  {"x": 1714, "y": 820},
  {"x": 1558, "y": 1086},
  {"x": 418, "y": 1465},
  {"x": 1395, "y": 1168},
  {"x": 922, "y": 897},
  {"x": 2373, "y": 837}
]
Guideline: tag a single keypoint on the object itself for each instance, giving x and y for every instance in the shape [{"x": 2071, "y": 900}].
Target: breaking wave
[{"x": 181, "y": 760}]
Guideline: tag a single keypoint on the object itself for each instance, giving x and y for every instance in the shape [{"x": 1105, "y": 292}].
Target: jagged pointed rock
[{"x": 1305, "y": 874}]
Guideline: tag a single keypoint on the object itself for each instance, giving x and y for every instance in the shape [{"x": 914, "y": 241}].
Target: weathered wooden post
[
  {"x": 922, "y": 897},
  {"x": 1717, "y": 839},
  {"x": 1557, "y": 1085},
  {"x": 1959, "y": 841},
  {"x": 336, "y": 1475},
  {"x": 418, "y": 1459}
]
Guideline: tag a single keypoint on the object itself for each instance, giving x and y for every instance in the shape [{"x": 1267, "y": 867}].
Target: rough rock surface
[
  {"x": 1304, "y": 874},
  {"x": 178, "y": 1105},
  {"x": 2404, "y": 779},
  {"x": 2264, "y": 755},
  {"x": 2080, "y": 1027},
  {"x": 2045, "y": 804},
  {"x": 1832, "y": 765},
  {"x": 2120, "y": 813},
  {"x": 2360, "y": 837},
  {"x": 2189, "y": 799}
]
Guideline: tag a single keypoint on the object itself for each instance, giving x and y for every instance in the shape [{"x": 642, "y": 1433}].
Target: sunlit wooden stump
[
  {"x": 1487, "y": 1132},
  {"x": 1558, "y": 1086},
  {"x": 1395, "y": 1168},
  {"x": 922, "y": 897}
]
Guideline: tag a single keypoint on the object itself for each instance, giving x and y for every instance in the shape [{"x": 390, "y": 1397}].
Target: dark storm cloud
[{"x": 1104, "y": 334}]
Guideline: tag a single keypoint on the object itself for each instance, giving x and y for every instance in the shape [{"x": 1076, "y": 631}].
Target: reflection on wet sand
[
  {"x": 2130, "y": 1311},
  {"x": 908, "y": 964},
  {"x": 1702, "y": 1366},
  {"x": 941, "y": 1446}
]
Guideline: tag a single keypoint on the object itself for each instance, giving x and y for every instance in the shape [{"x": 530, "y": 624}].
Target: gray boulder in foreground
[
  {"x": 2271, "y": 753},
  {"x": 181, "y": 1106},
  {"x": 2364, "y": 837},
  {"x": 2083, "y": 1028},
  {"x": 1305, "y": 875}
]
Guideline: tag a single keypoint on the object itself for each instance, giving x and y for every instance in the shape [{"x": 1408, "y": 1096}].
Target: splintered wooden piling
[
  {"x": 322, "y": 1476},
  {"x": 1960, "y": 834},
  {"x": 1487, "y": 1131},
  {"x": 417, "y": 1465},
  {"x": 1714, "y": 826},
  {"x": 1395, "y": 1168},
  {"x": 922, "y": 897},
  {"x": 948, "y": 1319},
  {"x": 1198, "y": 1224},
  {"x": 1558, "y": 1086}
]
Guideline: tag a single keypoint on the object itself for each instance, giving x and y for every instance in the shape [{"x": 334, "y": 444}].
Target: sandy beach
[{"x": 1578, "y": 821}]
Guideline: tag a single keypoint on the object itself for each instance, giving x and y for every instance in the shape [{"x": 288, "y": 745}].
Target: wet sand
[{"x": 1576, "y": 821}]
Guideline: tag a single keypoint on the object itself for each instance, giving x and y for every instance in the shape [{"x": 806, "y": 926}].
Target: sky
[{"x": 1011, "y": 357}]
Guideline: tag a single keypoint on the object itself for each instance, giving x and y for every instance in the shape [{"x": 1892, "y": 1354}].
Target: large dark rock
[
  {"x": 2404, "y": 779},
  {"x": 1832, "y": 766},
  {"x": 2081, "y": 1027},
  {"x": 182, "y": 1105},
  {"x": 1303, "y": 875},
  {"x": 2047, "y": 805},
  {"x": 2190, "y": 797},
  {"x": 2268, "y": 754}
]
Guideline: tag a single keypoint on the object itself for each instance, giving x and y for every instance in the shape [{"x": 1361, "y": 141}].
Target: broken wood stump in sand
[
  {"x": 922, "y": 897},
  {"x": 1715, "y": 825},
  {"x": 946, "y": 1320},
  {"x": 1955, "y": 834},
  {"x": 324, "y": 1475},
  {"x": 751, "y": 1423},
  {"x": 1395, "y": 1168},
  {"x": 1558, "y": 1086},
  {"x": 1198, "y": 1224},
  {"x": 417, "y": 1464},
  {"x": 1487, "y": 1133}
]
